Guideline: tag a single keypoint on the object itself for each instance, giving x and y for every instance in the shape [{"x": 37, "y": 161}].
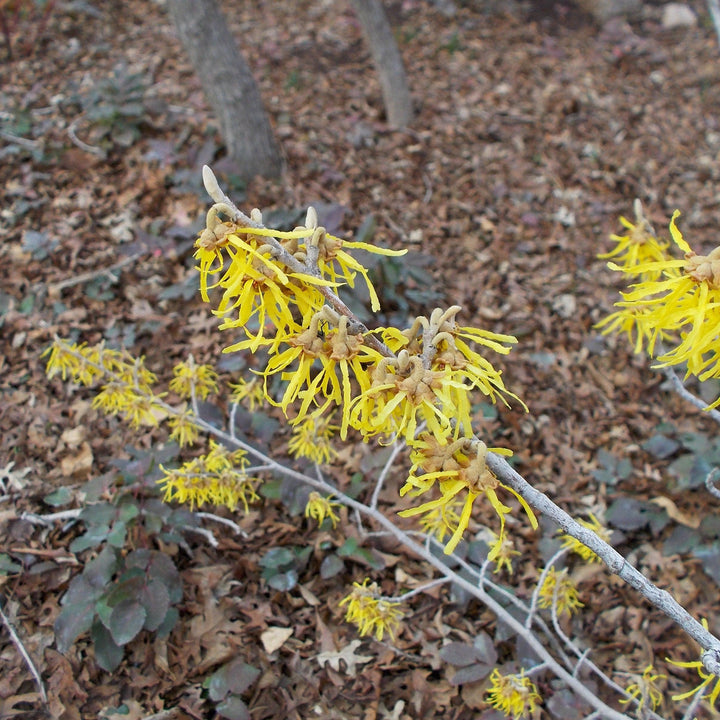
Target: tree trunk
[
  {"x": 229, "y": 87},
  {"x": 388, "y": 63}
]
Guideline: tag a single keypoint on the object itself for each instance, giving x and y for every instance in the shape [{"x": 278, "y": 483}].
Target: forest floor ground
[{"x": 535, "y": 130}]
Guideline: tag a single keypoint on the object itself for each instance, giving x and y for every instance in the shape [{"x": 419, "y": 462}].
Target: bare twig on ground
[{"x": 25, "y": 656}]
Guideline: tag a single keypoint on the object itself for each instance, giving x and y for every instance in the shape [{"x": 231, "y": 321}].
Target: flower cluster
[
  {"x": 190, "y": 378},
  {"x": 645, "y": 691},
  {"x": 311, "y": 438},
  {"x": 428, "y": 378},
  {"x": 638, "y": 247},
  {"x": 269, "y": 276},
  {"x": 372, "y": 614},
  {"x": 279, "y": 288},
  {"x": 452, "y": 469},
  {"x": 674, "y": 299},
  {"x": 217, "y": 477},
  {"x": 127, "y": 388},
  {"x": 249, "y": 392},
  {"x": 319, "y": 508},
  {"x": 514, "y": 695},
  {"x": 574, "y": 545},
  {"x": 558, "y": 591}
]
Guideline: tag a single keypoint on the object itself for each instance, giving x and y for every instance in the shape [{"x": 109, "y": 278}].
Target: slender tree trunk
[
  {"x": 228, "y": 86},
  {"x": 388, "y": 63}
]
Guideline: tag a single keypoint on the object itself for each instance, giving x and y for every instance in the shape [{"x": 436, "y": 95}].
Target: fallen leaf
[
  {"x": 691, "y": 521},
  {"x": 274, "y": 638},
  {"x": 348, "y": 656},
  {"x": 78, "y": 464}
]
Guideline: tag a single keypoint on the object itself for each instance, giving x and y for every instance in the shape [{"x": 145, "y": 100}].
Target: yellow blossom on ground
[
  {"x": 567, "y": 595},
  {"x": 645, "y": 691},
  {"x": 573, "y": 544},
  {"x": 514, "y": 695},
  {"x": 189, "y": 376},
  {"x": 458, "y": 469},
  {"x": 311, "y": 438},
  {"x": 319, "y": 508},
  {"x": 250, "y": 393},
  {"x": 372, "y": 615},
  {"x": 638, "y": 246}
]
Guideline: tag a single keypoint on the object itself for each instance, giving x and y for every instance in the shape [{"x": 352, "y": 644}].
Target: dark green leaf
[
  {"x": 471, "y": 673},
  {"x": 690, "y": 471},
  {"x": 156, "y": 601},
  {"x": 95, "y": 536},
  {"x": 697, "y": 443},
  {"x": 7, "y": 565},
  {"x": 62, "y": 496},
  {"x": 101, "y": 569},
  {"x": 331, "y": 566},
  {"x": 710, "y": 558},
  {"x": 282, "y": 581},
  {"x": 234, "y": 709},
  {"x": 661, "y": 446},
  {"x": 277, "y": 557},
  {"x": 234, "y": 677},
  {"x": 73, "y": 620},
  {"x": 168, "y": 623},
  {"x": 630, "y": 514},
  {"x": 682, "y": 540},
  {"x": 107, "y": 653},
  {"x": 710, "y": 527},
  {"x": 126, "y": 621},
  {"x": 459, "y": 654},
  {"x": 116, "y": 536}
]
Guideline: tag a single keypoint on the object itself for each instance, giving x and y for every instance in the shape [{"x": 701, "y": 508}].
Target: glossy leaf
[{"x": 126, "y": 620}]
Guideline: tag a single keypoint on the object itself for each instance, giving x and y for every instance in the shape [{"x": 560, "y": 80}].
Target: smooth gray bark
[
  {"x": 229, "y": 87},
  {"x": 387, "y": 60}
]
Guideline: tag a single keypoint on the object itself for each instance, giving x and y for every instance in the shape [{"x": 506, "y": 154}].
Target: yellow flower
[
  {"x": 514, "y": 695},
  {"x": 442, "y": 520},
  {"x": 183, "y": 427},
  {"x": 431, "y": 378},
  {"x": 638, "y": 246},
  {"x": 645, "y": 691},
  {"x": 708, "y": 679},
  {"x": 567, "y": 595},
  {"x": 77, "y": 361},
  {"x": 335, "y": 264},
  {"x": 188, "y": 376},
  {"x": 568, "y": 541},
  {"x": 324, "y": 358},
  {"x": 254, "y": 283},
  {"x": 114, "y": 397},
  {"x": 684, "y": 302},
  {"x": 371, "y": 614},
  {"x": 140, "y": 409},
  {"x": 212, "y": 478},
  {"x": 404, "y": 394},
  {"x": 455, "y": 468},
  {"x": 502, "y": 549},
  {"x": 250, "y": 393},
  {"x": 319, "y": 508},
  {"x": 311, "y": 437}
]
